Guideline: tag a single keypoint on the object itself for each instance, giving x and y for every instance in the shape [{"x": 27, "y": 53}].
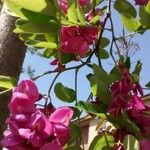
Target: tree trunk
[{"x": 12, "y": 53}]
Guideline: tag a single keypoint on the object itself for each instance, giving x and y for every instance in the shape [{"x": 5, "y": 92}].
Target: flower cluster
[
  {"x": 126, "y": 100},
  {"x": 141, "y": 2},
  {"x": 76, "y": 40},
  {"x": 30, "y": 128}
]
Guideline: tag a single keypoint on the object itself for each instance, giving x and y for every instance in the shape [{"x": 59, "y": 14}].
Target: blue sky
[{"x": 41, "y": 65}]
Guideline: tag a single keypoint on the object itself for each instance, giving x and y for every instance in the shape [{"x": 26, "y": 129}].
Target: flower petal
[{"x": 62, "y": 115}]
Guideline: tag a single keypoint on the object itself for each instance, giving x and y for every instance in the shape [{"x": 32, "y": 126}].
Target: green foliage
[
  {"x": 72, "y": 15},
  {"x": 75, "y": 13},
  {"x": 137, "y": 70},
  {"x": 40, "y": 19},
  {"x": 144, "y": 14},
  {"x": 104, "y": 141},
  {"x": 129, "y": 22},
  {"x": 7, "y": 82},
  {"x": 103, "y": 54},
  {"x": 123, "y": 122},
  {"x": 93, "y": 84},
  {"x": 130, "y": 143},
  {"x": 148, "y": 84},
  {"x": 75, "y": 133},
  {"x": 74, "y": 147},
  {"x": 64, "y": 93},
  {"x": 124, "y": 6},
  {"x": 76, "y": 112},
  {"x": 96, "y": 2},
  {"x": 43, "y": 7},
  {"x": 92, "y": 108},
  {"x": 103, "y": 83}
]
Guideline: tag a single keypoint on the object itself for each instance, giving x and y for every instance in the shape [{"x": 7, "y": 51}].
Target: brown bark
[{"x": 12, "y": 53}]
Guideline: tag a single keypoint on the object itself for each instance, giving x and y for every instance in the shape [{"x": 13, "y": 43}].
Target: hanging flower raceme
[
  {"x": 30, "y": 128},
  {"x": 141, "y": 2},
  {"x": 126, "y": 100},
  {"x": 76, "y": 40}
]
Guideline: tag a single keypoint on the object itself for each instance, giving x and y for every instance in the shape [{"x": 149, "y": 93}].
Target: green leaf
[
  {"x": 100, "y": 73},
  {"x": 137, "y": 70},
  {"x": 123, "y": 6},
  {"x": 128, "y": 62},
  {"x": 147, "y": 8},
  {"x": 103, "y": 54},
  {"x": 104, "y": 42},
  {"x": 96, "y": 2},
  {"x": 7, "y": 82},
  {"x": 129, "y": 22},
  {"x": 71, "y": 12},
  {"x": 50, "y": 37},
  {"x": 36, "y": 17},
  {"x": 65, "y": 58},
  {"x": 80, "y": 14},
  {"x": 103, "y": 84},
  {"x": 75, "y": 133},
  {"x": 43, "y": 6},
  {"x": 74, "y": 147},
  {"x": 41, "y": 44},
  {"x": 144, "y": 17},
  {"x": 148, "y": 84},
  {"x": 64, "y": 93},
  {"x": 92, "y": 108},
  {"x": 95, "y": 20},
  {"x": 102, "y": 141},
  {"x": 76, "y": 112},
  {"x": 48, "y": 53},
  {"x": 26, "y": 36},
  {"x": 24, "y": 26},
  {"x": 130, "y": 143},
  {"x": 93, "y": 84},
  {"x": 124, "y": 122}
]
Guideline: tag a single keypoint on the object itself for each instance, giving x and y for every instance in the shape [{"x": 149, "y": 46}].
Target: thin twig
[
  {"x": 50, "y": 88},
  {"x": 113, "y": 33},
  {"x": 97, "y": 49}
]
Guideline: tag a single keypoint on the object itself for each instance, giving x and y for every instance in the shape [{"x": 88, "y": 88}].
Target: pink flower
[
  {"x": 61, "y": 119},
  {"x": 21, "y": 103},
  {"x": 32, "y": 129},
  {"x": 135, "y": 104},
  {"x": 76, "y": 39},
  {"x": 144, "y": 144},
  {"x": 52, "y": 146},
  {"x": 28, "y": 87},
  {"x": 84, "y": 2},
  {"x": 64, "y": 4},
  {"x": 141, "y": 2}
]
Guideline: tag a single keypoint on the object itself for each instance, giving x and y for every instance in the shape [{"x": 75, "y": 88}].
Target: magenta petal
[
  {"x": 28, "y": 87},
  {"x": 12, "y": 126},
  {"x": 21, "y": 117},
  {"x": 36, "y": 140},
  {"x": 25, "y": 133},
  {"x": 62, "y": 134},
  {"x": 84, "y": 2},
  {"x": 51, "y": 146},
  {"x": 11, "y": 140},
  {"x": 135, "y": 104},
  {"x": 17, "y": 148},
  {"x": 62, "y": 115},
  {"x": 21, "y": 103},
  {"x": 41, "y": 124},
  {"x": 145, "y": 144}
]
